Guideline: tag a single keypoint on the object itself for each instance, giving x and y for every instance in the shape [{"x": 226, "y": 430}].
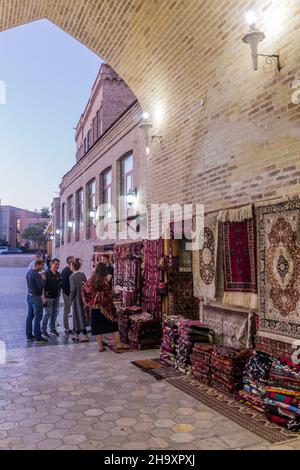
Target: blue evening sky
[{"x": 48, "y": 77}]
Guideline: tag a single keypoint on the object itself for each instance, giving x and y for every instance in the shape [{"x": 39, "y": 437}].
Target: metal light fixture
[
  {"x": 92, "y": 214},
  {"x": 70, "y": 224},
  {"x": 146, "y": 126},
  {"x": 253, "y": 38},
  {"x": 58, "y": 231},
  {"x": 131, "y": 196}
]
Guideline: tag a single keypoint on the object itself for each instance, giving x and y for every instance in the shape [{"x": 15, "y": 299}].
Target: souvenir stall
[
  {"x": 181, "y": 298},
  {"x": 136, "y": 281},
  {"x": 244, "y": 342}
]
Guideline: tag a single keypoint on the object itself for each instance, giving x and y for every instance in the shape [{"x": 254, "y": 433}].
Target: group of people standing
[{"x": 90, "y": 300}]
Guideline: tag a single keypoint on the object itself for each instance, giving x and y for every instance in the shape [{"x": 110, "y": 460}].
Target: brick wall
[
  {"x": 243, "y": 145},
  {"x": 126, "y": 136}
]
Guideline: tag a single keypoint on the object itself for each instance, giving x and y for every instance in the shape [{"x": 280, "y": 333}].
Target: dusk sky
[{"x": 48, "y": 77}]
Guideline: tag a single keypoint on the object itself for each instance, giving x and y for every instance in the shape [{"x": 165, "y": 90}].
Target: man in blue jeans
[
  {"x": 51, "y": 298},
  {"x": 35, "y": 286}
]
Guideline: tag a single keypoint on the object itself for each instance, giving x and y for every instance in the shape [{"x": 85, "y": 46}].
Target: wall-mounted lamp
[
  {"x": 253, "y": 38},
  {"x": 51, "y": 237},
  {"x": 92, "y": 214},
  {"x": 70, "y": 224},
  {"x": 131, "y": 196},
  {"x": 57, "y": 231},
  {"x": 146, "y": 125}
]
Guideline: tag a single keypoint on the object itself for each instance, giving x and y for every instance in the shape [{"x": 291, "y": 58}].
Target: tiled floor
[{"x": 72, "y": 397}]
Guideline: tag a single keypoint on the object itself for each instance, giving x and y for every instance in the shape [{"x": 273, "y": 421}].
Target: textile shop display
[
  {"x": 169, "y": 345},
  {"x": 239, "y": 257},
  {"x": 182, "y": 300},
  {"x": 255, "y": 378},
  {"x": 124, "y": 321},
  {"x": 205, "y": 260},
  {"x": 127, "y": 272},
  {"x": 232, "y": 328},
  {"x": 274, "y": 348},
  {"x": 279, "y": 268},
  {"x": 227, "y": 365},
  {"x": 144, "y": 332},
  {"x": 282, "y": 399},
  {"x": 190, "y": 332},
  {"x": 201, "y": 362},
  {"x": 153, "y": 275}
]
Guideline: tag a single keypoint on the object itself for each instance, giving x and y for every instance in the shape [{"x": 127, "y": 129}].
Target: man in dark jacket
[
  {"x": 51, "y": 298},
  {"x": 35, "y": 286},
  {"x": 65, "y": 285}
]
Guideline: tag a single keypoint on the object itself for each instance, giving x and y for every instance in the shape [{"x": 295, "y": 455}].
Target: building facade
[
  {"x": 13, "y": 222},
  {"x": 110, "y": 162}
]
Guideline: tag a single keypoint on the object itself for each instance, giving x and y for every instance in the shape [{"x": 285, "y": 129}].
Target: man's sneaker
[
  {"x": 30, "y": 338},
  {"x": 46, "y": 335},
  {"x": 54, "y": 333},
  {"x": 41, "y": 340}
]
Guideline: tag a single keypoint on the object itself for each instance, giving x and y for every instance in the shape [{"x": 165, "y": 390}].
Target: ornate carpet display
[
  {"x": 183, "y": 301},
  {"x": 279, "y": 268},
  {"x": 153, "y": 251},
  {"x": 239, "y": 251},
  {"x": 232, "y": 409},
  {"x": 231, "y": 328},
  {"x": 204, "y": 261}
]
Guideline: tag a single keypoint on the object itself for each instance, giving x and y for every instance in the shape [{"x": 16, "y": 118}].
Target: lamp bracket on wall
[
  {"x": 156, "y": 137},
  {"x": 272, "y": 59}
]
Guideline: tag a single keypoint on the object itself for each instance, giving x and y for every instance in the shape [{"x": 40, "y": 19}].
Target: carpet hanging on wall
[
  {"x": 239, "y": 257},
  {"x": 153, "y": 252},
  {"x": 232, "y": 328},
  {"x": 279, "y": 268},
  {"x": 204, "y": 261}
]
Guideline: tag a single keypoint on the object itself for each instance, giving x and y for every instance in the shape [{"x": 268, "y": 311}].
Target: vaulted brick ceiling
[{"x": 173, "y": 53}]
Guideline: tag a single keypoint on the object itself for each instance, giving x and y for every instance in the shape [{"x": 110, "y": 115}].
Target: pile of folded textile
[
  {"x": 124, "y": 320},
  {"x": 227, "y": 365},
  {"x": 255, "y": 377},
  {"x": 144, "y": 332},
  {"x": 190, "y": 333},
  {"x": 283, "y": 395},
  {"x": 169, "y": 346},
  {"x": 201, "y": 361}
]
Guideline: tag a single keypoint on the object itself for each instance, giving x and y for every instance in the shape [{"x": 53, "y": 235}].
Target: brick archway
[{"x": 176, "y": 53}]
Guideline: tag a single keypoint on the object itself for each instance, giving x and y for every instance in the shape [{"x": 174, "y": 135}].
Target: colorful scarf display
[
  {"x": 239, "y": 257},
  {"x": 279, "y": 268}
]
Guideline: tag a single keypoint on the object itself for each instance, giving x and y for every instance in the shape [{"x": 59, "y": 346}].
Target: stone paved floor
[{"x": 72, "y": 397}]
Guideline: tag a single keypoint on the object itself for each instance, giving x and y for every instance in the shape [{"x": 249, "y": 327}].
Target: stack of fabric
[
  {"x": 124, "y": 320},
  {"x": 227, "y": 365},
  {"x": 190, "y": 333},
  {"x": 201, "y": 362},
  {"x": 169, "y": 345},
  {"x": 283, "y": 395},
  {"x": 144, "y": 332},
  {"x": 255, "y": 378}
]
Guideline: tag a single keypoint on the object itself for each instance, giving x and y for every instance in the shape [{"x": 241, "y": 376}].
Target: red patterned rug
[{"x": 239, "y": 256}]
